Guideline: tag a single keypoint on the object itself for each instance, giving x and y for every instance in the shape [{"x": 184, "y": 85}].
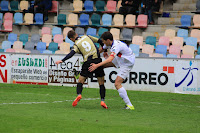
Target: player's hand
[
  {"x": 58, "y": 62},
  {"x": 105, "y": 54},
  {"x": 92, "y": 67}
]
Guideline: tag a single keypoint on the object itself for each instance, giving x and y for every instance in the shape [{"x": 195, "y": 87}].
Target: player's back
[{"x": 85, "y": 46}]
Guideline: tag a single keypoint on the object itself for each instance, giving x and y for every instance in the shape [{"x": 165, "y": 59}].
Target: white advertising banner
[
  {"x": 187, "y": 77},
  {"x": 64, "y": 73},
  {"x": 146, "y": 75},
  {"x": 5, "y": 65},
  {"x": 29, "y": 69}
]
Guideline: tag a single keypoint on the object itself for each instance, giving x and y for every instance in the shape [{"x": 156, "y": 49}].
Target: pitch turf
[{"x": 48, "y": 109}]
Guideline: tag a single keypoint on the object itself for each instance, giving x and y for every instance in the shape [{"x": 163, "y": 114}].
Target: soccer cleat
[
  {"x": 78, "y": 98},
  {"x": 129, "y": 107},
  {"x": 104, "y": 105}
]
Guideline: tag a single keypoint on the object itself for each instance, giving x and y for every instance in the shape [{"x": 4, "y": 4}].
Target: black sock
[
  {"x": 79, "y": 88},
  {"x": 102, "y": 92}
]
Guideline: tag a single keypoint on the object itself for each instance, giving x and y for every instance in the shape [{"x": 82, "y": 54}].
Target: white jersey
[{"x": 122, "y": 53}]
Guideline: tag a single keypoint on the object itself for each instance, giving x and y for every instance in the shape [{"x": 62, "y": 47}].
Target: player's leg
[
  {"x": 79, "y": 89},
  {"x": 118, "y": 85},
  {"x": 102, "y": 91}
]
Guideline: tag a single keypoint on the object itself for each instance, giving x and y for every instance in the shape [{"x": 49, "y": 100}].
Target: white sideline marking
[{"x": 49, "y": 102}]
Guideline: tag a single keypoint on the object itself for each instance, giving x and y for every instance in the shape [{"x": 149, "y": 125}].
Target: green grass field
[{"x": 48, "y": 109}]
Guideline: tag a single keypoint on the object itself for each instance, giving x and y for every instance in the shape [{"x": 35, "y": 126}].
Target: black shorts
[{"x": 99, "y": 72}]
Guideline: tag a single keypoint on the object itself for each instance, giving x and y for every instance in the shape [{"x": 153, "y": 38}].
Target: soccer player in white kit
[{"x": 121, "y": 57}]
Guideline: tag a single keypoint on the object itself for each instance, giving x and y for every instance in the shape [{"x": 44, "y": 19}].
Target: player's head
[
  {"x": 107, "y": 38},
  {"x": 72, "y": 35}
]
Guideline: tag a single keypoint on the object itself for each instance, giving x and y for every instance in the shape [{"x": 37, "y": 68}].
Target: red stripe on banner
[
  {"x": 170, "y": 69},
  {"x": 34, "y": 83}
]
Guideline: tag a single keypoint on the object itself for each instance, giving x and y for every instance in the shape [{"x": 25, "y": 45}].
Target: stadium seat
[
  {"x": 47, "y": 52},
  {"x": 84, "y": 19},
  {"x": 135, "y": 48},
  {"x": 56, "y": 30},
  {"x": 178, "y": 41},
  {"x": 164, "y": 40},
  {"x": 1, "y": 17},
  {"x": 18, "y": 18},
  {"x": 23, "y": 38},
  {"x": 53, "y": 47},
  {"x": 78, "y": 5},
  {"x": 67, "y": 40},
  {"x": 6, "y": 45},
  {"x": 4, "y": 5},
  {"x": 54, "y": 7},
  {"x": 66, "y": 30},
  {"x": 101, "y": 31},
  {"x": 8, "y": 25},
  {"x": 80, "y": 31},
  {"x": 151, "y": 40},
  {"x": 28, "y": 18},
  {"x": 39, "y": 19},
  {"x": 142, "y": 21},
  {"x": 182, "y": 33},
  {"x": 118, "y": 20},
  {"x": 143, "y": 55},
  {"x": 12, "y": 37},
  {"x": 130, "y": 20},
  {"x": 47, "y": 39},
  {"x": 148, "y": 49},
  {"x": 61, "y": 19},
  {"x": 2, "y": 50},
  {"x": 127, "y": 34},
  {"x": 10, "y": 50},
  {"x": 17, "y": 46},
  {"x": 188, "y": 50},
  {"x": 171, "y": 33},
  {"x": 41, "y": 46},
  {"x": 171, "y": 56},
  {"x": 88, "y": 5},
  {"x": 198, "y": 51},
  {"x": 175, "y": 49},
  {"x": 23, "y": 5},
  {"x": 72, "y": 19},
  {"x": 157, "y": 55},
  {"x": 64, "y": 48},
  {"x": 161, "y": 49},
  {"x": 58, "y": 39},
  {"x": 35, "y": 38},
  {"x": 198, "y": 6},
  {"x": 192, "y": 41},
  {"x": 107, "y": 19},
  {"x": 29, "y": 46},
  {"x": 195, "y": 33},
  {"x": 8, "y": 16},
  {"x": 46, "y": 30},
  {"x": 35, "y": 51},
  {"x": 197, "y": 57},
  {"x": 100, "y": 5},
  {"x": 116, "y": 33},
  {"x": 95, "y": 19},
  {"x": 186, "y": 56},
  {"x": 91, "y": 32},
  {"x": 14, "y": 5},
  {"x": 137, "y": 40},
  {"x": 196, "y": 20},
  {"x": 111, "y": 6},
  {"x": 186, "y": 20}
]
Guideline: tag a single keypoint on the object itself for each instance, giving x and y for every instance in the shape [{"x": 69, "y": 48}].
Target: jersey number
[{"x": 86, "y": 45}]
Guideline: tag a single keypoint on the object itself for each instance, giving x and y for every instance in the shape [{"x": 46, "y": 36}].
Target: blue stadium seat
[
  {"x": 12, "y": 37},
  {"x": 4, "y": 5},
  {"x": 53, "y": 47},
  {"x": 151, "y": 40},
  {"x": 35, "y": 38},
  {"x": 161, "y": 49},
  {"x": 127, "y": 34},
  {"x": 47, "y": 52},
  {"x": 107, "y": 19},
  {"x": 182, "y": 33},
  {"x": 100, "y": 4},
  {"x": 23, "y": 38},
  {"x": 14, "y": 5},
  {"x": 101, "y": 31},
  {"x": 61, "y": 19},
  {"x": 39, "y": 19},
  {"x": 197, "y": 57},
  {"x": 172, "y": 56},
  {"x": 67, "y": 40},
  {"x": 80, "y": 31},
  {"x": 192, "y": 41},
  {"x": 18, "y": 17},
  {"x": 186, "y": 20},
  {"x": 84, "y": 19},
  {"x": 6, "y": 45},
  {"x": 96, "y": 18},
  {"x": 135, "y": 48},
  {"x": 41, "y": 46},
  {"x": 56, "y": 30},
  {"x": 88, "y": 5},
  {"x": 92, "y": 32},
  {"x": 29, "y": 46},
  {"x": 143, "y": 55}
]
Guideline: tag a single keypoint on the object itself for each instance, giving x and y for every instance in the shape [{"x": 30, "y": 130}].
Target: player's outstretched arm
[
  {"x": 66, "y": 57},
  {"x": 95, "y": 66}
]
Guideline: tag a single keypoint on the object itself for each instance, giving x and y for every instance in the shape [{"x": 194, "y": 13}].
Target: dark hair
[
  {"x": 71, "y": 34},
  {"x": 107, "y": 35}
]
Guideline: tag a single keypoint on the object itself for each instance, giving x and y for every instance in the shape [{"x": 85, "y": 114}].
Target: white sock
[{"x": 124, "y": 96}]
